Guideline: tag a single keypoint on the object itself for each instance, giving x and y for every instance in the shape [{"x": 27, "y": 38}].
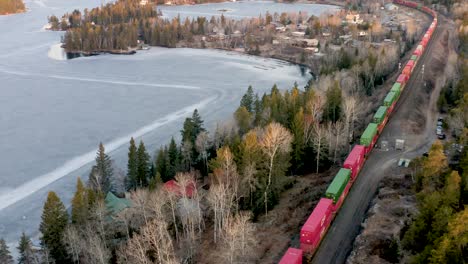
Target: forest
[
  {"x": 224, "y": 181},
  {"x": 11, "y": 7},
  {"x": 439, "y": 233}
]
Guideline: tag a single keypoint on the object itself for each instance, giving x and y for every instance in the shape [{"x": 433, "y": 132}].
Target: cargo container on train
[
  {"x": 316, "y": 225},
  {"x": 339, "y": 188},
  {"x": 369, "y": 137},
  {"x": 292, "y": 256},
  {"x": 355, "y": 160},
  {"x": 381, "y": 118},
  {"x": 390, "y": 101}
]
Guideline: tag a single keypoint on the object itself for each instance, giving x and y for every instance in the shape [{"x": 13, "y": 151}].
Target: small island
[{"x": 8, "y": 7}]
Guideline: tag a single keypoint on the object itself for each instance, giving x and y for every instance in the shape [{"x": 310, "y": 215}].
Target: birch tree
[{"x": 275, "y": 140}]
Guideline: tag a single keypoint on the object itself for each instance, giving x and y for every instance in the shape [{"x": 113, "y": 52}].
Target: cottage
[
  {"x": 391, "y": 7},
  {"x": 298, "y": 34},
  {"x": 174, "y": 187}
]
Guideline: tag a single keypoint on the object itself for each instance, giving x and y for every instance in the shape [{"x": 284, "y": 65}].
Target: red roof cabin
[
  {"x": 316, "y": 225},
  {"x": 355, "y": 160},
  {"x": 292, "y": 256},
  {"x": 174, "y": 187}
]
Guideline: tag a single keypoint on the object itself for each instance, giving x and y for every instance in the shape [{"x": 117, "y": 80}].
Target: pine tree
[
  {"x": 5, "y": 256},
  {"x": 173, "y": 158},
  {"x": 25, "y": 250},
  {"x": 54, "y": 221},
  {"x": 79, "y": 212},
  {"x": 161, "y": 165},
  {"x": 101, "y": 174},
  {"x": 132, "y": 166},
  {"x": 247, "y": 100},
  {"x": 197, "y": 125},
  {"x": 332, "y": 111},
  {"x": 143, "y": 165}
]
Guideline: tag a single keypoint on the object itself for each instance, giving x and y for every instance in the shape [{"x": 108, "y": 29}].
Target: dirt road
[{"x": 414, "y": 120}]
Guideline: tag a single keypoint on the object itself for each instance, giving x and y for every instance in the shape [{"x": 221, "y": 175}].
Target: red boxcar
[
  {"x": 292, "y": 256},
  {"x": 316, "y": 225},
  {"x": 338, "y": 204},
  {"x": 355, "y": 160},
  {"x": 417, "y": 52},
  {"x": 402, "y": 79},
  {"x": 407, "y": 70},
  {"x": 410, "y": 64}
]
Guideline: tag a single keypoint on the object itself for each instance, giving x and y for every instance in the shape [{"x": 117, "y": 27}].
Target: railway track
[{"x": 338, "y": 242}]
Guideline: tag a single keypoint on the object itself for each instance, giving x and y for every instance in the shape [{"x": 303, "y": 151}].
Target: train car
[
  {"x": 407, "y": 70},
  {"x": 390, "y": 101},
  {"x": 369, "y": 137},
  {"x": 355, "y": 160},
  {"x": 415, "y": 58},
  {"x": 417, "y": 53},
  {"x": 292, "y": 256},
  {"x": 380, "y": 118},
  {"x": 411, "y": 65},
  {"x": 316, "y": 225},
  {"x": 339, "y": 188},
  {"x": 402, "y": 79}
]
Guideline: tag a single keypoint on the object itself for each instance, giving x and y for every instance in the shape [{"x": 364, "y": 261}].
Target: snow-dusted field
[{"x": 54, "y": 112}]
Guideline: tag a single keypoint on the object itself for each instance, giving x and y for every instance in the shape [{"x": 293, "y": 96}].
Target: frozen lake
[{"x": 53, "y": 113}]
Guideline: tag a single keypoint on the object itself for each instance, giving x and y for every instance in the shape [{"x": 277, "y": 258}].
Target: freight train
[{"x": 316, "y": 226}]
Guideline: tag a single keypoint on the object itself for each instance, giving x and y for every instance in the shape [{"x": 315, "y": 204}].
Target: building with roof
[{"x": 115, "y": 204}]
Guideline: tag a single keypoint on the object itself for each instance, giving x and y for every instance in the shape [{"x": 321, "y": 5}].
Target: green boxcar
[
  {"x": 414, "y": 57},
  {"x": 338, "y": 185},
  {"x": 380, "y": 115},
  {"x": 390, "y": 98},
  {"x": 369, "y": 134},
  {"x": 396, "y": 88}
]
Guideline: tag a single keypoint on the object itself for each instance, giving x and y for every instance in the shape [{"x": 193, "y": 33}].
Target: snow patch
[
  {"x": 56, "y": 52},
  {"x": 68, "y": 167}
]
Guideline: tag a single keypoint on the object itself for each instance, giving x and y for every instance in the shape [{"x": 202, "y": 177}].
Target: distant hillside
[{"x": 11, "y": 6}]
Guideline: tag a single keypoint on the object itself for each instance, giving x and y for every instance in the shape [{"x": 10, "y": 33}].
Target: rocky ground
[{"x": 391, "y": 211}]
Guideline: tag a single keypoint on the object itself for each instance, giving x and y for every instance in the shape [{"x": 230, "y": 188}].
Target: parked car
[
  {"x": 439, "y": 131},
  {"x": 441, "y": 136}
]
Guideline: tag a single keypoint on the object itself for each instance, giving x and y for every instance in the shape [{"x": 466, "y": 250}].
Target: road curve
[{"x": 338, "y": 242}]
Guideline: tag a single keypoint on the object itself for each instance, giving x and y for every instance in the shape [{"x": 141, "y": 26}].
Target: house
[
  {"x": 362, "y": 34},
  {"x": 391, "y": 7},
  {"x": 174, "y": 187},
  {"x": 236, "y": 34},
  {"x": 143, "y": 2},
  {"x": 326, "y": 34},
  {"x": 311, "y": 49},
  {"x": 345, "y": 37},
  {"x": 298, "y": 34},
  {"x": 303, "y": 43},
  {"x": 280, "y": 29},
  {"x": 275, "y": 42},
  {"x": 115, "y": 204}
]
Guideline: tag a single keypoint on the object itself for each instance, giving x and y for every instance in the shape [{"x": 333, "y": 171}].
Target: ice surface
[{"x": 54, "y": 112}]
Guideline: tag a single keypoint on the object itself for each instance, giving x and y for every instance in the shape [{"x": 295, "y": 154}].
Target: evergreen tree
[
  {"x": 5, "y": 256},
  {"x": 161, "y": 165},
  {"x": 247, "y": 100},
  {"x": 54, "y": 221},
  {"x": 143, "y": 165},
  {"x": 101, "y": 174},
  {"x": 25, "y": 250},
  {"x": 197, "y": 125},
  {"x": 332, "y": 111},
  {"x": 79, "y": 212},
  {"x": 174, "y": 159},
  {"x": 132, "y": 166}
]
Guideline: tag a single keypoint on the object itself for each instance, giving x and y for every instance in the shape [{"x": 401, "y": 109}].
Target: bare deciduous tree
[
  {"x": 239, "y": 239},
  {"x": 275, "y": 140}
]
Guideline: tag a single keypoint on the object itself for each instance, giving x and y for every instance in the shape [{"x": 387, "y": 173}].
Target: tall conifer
[
  {"x": 132, "y": 166},
  {"x": 80, "y": 204},
  {"x": 54, "y": 221},
  {"x": 5, "y": 256}
]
